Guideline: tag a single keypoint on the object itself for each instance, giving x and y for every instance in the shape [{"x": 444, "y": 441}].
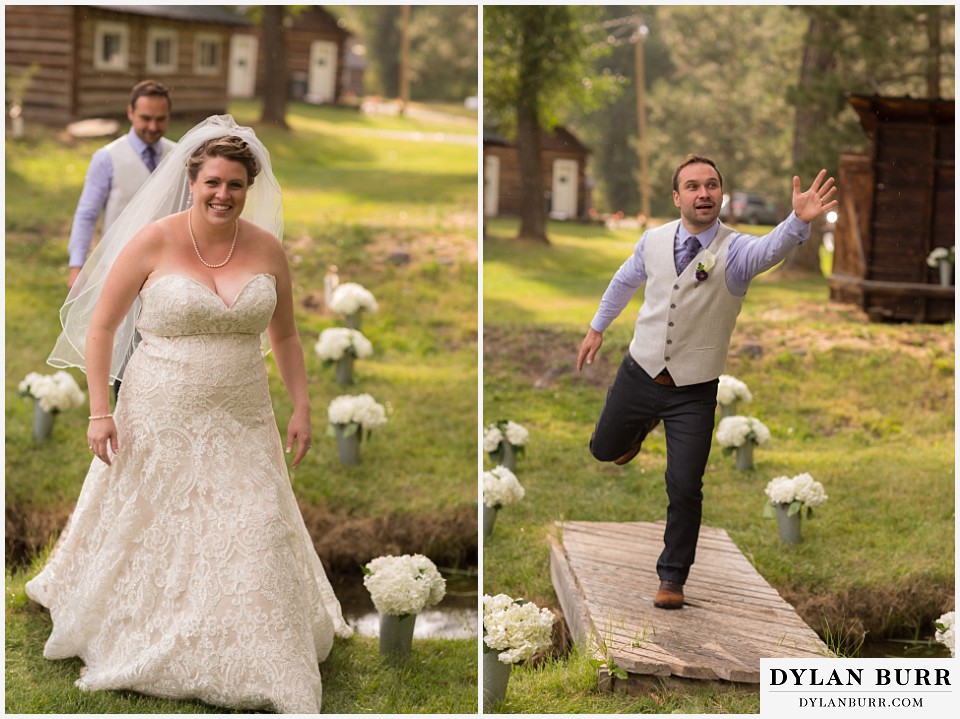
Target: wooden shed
[
  {"x": 563, "y": 160},
  {"x": 896, "y": 205},
  {"x": 89, "y": 56}
]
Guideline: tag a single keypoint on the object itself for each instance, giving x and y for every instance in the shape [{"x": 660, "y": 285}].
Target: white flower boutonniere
[{"x": 705, "y": 265}]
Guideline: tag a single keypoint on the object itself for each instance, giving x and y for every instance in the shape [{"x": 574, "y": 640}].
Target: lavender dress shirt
[
  {"x": 96, "y": 190},
  {"x": 747, "y": 257}
]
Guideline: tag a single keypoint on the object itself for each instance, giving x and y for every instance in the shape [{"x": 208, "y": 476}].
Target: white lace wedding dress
[{"x": 186, "y": 570}]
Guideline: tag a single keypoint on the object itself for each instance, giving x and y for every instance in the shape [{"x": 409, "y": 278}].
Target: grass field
[
  {"x": 867, "y": 409},
  {"x": 359, "y": 192}
]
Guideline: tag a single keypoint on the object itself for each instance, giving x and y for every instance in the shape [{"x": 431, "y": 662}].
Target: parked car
[{"x": 749, "y": 208}]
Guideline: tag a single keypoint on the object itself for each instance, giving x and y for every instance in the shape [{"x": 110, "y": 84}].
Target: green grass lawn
[
  {"x": 356, "y": 190},
  {"x": 867, "y": 409}
]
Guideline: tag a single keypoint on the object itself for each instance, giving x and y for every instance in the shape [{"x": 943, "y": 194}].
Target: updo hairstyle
[{"x": 229, "y": 148}]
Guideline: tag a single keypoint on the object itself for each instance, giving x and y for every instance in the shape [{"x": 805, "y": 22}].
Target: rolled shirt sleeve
[
  {"x": 93, "y": 199},
  {"x": 750, "y": 255},
  {"x": 626, "y": 281}
]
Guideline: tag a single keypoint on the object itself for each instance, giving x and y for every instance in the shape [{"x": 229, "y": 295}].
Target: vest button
[
  {"x": 669, "y": 342},
  {"x": 676, "y": 287},
  {"x": 669, "y": 324},
  {"x": 673, "y": 307},
  {"x": 666, "y": 359}
]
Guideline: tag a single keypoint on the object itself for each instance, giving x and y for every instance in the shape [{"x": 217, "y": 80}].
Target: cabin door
[
  {"x": 242, "y": 78},
  {"x": 491, "y": 185},
  {"x": 322, "y": 79},
  {"x": 564, "y": 195}
]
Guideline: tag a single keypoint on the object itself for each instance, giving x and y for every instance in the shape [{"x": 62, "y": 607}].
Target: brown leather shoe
[
  {"x": 635, "y": 449},
  {"x": 669, "y": 596}
]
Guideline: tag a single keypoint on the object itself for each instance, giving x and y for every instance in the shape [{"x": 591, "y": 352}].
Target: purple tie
[
  {"x": 151, "y": 158},
  {"x": 690, "y": 249}
]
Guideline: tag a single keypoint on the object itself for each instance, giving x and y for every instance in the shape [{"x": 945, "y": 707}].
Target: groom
[{"x": 696, "y": 272}]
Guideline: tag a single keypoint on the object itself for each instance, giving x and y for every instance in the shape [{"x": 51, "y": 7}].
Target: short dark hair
[
  {"x": 229, "y": 147},
  {"x": 694, "y": 160},
  {"x": 149, "y": 88}
]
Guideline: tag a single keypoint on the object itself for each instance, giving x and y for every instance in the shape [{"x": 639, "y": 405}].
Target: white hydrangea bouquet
[
  {"x": 403, "y": 585},
  {"x": 731, "y": 391},
  {"x": 355, "y": 413},
  {"x": 515, "y": 628},
  {"x": 501, "y": 487},
  {"x": 496, "y": 434},
  {"x": 735, "y": 431},
  {"x": 336, "y": 342},
  {"x": 349, "y": 298},
  {"x": 795, "y": 493},
  {"x": 945, "y": 632},
  {"x": 941, "y": 254},
  {"x": 54, "y": 393}
]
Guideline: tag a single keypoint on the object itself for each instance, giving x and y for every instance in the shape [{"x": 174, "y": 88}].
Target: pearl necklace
[{"x": 236, "y": 231}]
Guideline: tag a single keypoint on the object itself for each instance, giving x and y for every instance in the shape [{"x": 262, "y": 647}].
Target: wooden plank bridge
[{"x": 605, "y": 577}]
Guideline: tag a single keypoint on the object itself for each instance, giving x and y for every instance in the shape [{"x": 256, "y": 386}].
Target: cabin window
[
  {"x": 207, "y": 54},
  {"x": 111, "y": 46},
  {"x": 161, "y": 50}
]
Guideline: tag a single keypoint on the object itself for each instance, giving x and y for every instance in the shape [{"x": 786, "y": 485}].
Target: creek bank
[{"x": 344, "y": 543}]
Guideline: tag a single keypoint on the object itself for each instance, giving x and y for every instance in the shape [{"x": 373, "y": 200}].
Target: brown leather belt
[{"x": 665, "y": 379}]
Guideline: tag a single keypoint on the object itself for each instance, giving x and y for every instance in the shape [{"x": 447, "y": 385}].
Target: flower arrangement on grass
[
  {"x": 941, "y": 254},
  {"x": 515, "y": 628},
  {"x": 337, "y": 342},
  {"x": 501, "y": 487},
  {"x": 735, "y": 431},
  {"x": 794, "y": 493},
  {"x": 356, "y": 414},
  {"x": 403, "y": 585},
  {"x": 730, "y": 392},
  {"x": 351, "y": 299},
  {"x": 54, "y": 393},
  {"x": 505, "y": 440},
  {"x": 945, "y": 632}
]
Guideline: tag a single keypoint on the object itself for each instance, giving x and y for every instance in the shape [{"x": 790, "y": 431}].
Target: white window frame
[
  {"x": 105, "y": 28},
  {"x": 201, "y": 39},
  {"x": 155, "y": 34}
]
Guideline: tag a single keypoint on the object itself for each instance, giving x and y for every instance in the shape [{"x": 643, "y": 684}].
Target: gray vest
[
  {"x": 129, "y": 173},
  {"x": 684, "y": 325}
]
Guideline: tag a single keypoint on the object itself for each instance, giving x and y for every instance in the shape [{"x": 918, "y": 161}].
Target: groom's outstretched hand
[
  {"x": 815, "y": 201},
  {"x": 588, "y": 348}
]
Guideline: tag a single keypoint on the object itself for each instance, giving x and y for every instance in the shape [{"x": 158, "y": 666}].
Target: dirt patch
[{"x": 343, "y": 542}]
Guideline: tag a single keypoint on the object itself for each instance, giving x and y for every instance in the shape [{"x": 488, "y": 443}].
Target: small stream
[{"x": 455, "y": 617}]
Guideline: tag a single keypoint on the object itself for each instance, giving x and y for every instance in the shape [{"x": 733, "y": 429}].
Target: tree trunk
[
  {"x": 276, "y": 89},
  {"x": 533, "y": 208},
  {"x": 818, "y": 59}
]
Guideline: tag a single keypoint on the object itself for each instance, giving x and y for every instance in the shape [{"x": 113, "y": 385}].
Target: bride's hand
[
  {"x": 298, "y": 434},
  {"x": 102, "y": 438}
]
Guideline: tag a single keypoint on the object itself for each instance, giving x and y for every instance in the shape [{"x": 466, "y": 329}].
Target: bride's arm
[
  {"x": 119, "y": 291},
  {"x": 288, "y": 352}
]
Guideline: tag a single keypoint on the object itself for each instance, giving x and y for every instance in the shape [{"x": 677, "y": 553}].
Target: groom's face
[{"x": 149, "y": 117}]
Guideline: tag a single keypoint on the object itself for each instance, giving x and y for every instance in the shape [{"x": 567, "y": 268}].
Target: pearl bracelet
[{"x": 100, "y": 416}]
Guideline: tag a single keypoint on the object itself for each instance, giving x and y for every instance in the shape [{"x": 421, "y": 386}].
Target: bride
[{"x": 186, "y": 570}]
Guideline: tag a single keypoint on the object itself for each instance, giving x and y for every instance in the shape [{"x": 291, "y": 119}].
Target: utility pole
[
  {"x": 404, "y": 58},
  {"x": 642, "y": 146}
]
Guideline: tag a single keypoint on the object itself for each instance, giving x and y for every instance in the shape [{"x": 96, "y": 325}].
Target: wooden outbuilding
[
  {"x": 89, "y": 56},
  {"x": 563, "y": 161},
  {"x": 896, "y": 205}
]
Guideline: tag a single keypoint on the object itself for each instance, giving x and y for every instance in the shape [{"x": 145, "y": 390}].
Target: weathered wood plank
[{"x": 605, "y": 577}]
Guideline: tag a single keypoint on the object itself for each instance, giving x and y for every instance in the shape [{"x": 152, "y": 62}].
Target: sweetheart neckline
[{"x": 209, "y": 289}]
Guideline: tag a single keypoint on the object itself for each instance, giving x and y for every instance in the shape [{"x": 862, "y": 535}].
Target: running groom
[{"x": 696, "y": 272}]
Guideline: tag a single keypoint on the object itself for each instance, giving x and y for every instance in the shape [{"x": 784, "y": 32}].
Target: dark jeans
[{"x": 688, "y": 415}]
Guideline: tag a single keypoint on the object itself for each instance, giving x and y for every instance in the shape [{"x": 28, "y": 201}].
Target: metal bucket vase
[
  {"x": 348, "y": 446},
  {"x": 345, "y": 369},
  {"x": 508, "y": 456},
  {"x": 496, "y": 675},
  {"x": 728, "y": 410},
  {"x": 489, "y": 517},
  {"x": 353, "y": 320},
  {"x": 789, "y": 525},
  {"x": 946, "y": 273},
  {"x": 42, "y": 421},
  {"x": 745, "y": 456},
  {"x": 396, "y": 634}
]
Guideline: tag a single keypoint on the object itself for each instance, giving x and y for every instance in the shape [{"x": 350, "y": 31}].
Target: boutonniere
[{"x": 705, "y": 265}]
